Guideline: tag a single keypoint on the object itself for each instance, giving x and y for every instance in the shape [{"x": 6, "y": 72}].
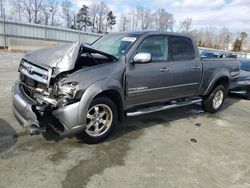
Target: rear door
[
  {"x": 185, "y": 67},
  {"x": 149, "y": 82}
]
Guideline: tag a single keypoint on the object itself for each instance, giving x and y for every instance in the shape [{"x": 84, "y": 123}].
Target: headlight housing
[
  {"x": 68, "y": 90},
  {"x": 66, "y": 93}
]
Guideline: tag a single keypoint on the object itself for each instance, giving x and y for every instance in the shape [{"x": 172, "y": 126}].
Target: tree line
[
  {"x": 140, "y": 18},
  {"x": 99, "y": 18}
]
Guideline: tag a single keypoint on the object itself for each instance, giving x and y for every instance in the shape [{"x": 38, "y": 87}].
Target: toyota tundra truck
[{"x": 81, "y": 89}]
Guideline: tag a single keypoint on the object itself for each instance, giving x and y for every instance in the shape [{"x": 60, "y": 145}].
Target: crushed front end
[{"x": 40, "y": 100}]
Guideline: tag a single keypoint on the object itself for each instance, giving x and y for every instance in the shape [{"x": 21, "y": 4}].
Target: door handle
[
  {"x": 196, "y": 67},
  {"x": 165, "y": 69}
]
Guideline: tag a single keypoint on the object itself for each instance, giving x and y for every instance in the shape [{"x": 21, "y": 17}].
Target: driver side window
[{"x": 157, "y": 46}]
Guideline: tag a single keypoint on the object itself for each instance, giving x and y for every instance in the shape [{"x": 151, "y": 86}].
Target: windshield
[
  {"x": 245, "y": 65},
  {"x": 116, "y": 45}
]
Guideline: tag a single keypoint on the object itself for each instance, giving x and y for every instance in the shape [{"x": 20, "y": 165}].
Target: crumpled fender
[{"x": 92, "y": 91}]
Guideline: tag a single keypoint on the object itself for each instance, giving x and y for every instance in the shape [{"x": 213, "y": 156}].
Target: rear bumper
[
  {"x": 241, "y": 89},
  {"x": 23, "y": 105}
]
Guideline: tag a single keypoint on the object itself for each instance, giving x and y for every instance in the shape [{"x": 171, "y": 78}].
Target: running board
[
  {"x": 160, "y": 108},
  {"x": 239, "y": 92}
]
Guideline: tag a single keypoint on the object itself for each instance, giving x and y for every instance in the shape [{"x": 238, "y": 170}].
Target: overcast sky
[{"x": 234, "y": 14}]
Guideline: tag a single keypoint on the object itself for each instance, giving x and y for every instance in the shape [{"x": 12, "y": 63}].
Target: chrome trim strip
[
  {"x": 160, "y": 88},
  {"x": 239, "y": 92},
  {"x": 76, "y": 127},
  {"x": 161, "y": 108}
]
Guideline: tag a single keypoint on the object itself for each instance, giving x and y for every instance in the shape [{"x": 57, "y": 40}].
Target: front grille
[{"x": 34, "y": 73}]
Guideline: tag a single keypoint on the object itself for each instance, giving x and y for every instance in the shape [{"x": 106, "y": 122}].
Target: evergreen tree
[
  {"x": 238, "y": 43},
  {"x": 111, "y": 21},
  {"x": 83, "y": 18}
]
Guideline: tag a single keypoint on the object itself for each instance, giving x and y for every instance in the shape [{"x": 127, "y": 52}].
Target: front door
[{"x": 149, "y": 82}]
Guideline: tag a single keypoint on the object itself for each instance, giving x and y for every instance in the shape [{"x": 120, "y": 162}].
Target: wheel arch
[
  {"x": 104, "y": 88},
  {"x": 223, "y": 80}
]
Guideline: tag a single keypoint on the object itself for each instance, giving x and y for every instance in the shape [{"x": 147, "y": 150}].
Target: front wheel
[
  {"x": 214, "y": 101},
  {"x": 101, "y": 118}
]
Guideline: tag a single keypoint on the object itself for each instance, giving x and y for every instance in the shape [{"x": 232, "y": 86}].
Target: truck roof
[{"x": 141, "y": 33}]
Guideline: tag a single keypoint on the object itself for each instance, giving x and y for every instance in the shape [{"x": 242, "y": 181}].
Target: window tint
[
  {"x": 182, "y": 49},
  {"x": 157, "y": 46}
]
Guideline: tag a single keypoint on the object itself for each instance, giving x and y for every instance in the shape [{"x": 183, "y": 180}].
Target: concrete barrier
[{"x": 15, "y": 44}]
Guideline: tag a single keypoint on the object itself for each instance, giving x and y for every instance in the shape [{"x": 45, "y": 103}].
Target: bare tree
[
  {"x": 124, "y": 23},
  {"x": 101, "y": 16},
  {"x": 53, "y": 9},
  {"x": 67, "y": 12},
  {"x": 17, "y": 7},
  {"x": 36, "y": 7},
  {"x": 46, "y": 13},
  {"x": 164, "y": 21},
  {"x": 224, "y": 38},
  {"x": 185, "y": 25},
  {"x": 211, "y": 37},
  {"x": 30, "y": 9},
  {"x": 133, "y": 19},
  {"x": 145, "y": 18},
  {"x": 26, "y": 9},
  {"x": 93, "y": 14},
  {"x": 246, "y": 45}
]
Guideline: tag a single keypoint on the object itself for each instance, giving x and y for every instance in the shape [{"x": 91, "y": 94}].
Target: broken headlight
[
  {"x": 69, "y": 89},
  {"x": 66, "y": 92}
]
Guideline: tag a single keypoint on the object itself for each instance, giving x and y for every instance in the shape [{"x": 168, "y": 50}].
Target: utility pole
[
  {"x": 4, "y": 29},
  {"x": 46, "y": 28},
  {"x": 1, "y": 4},
  {"x": 74, "y": 21}
]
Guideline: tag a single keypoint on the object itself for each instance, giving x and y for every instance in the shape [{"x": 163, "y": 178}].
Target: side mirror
[{"x": 142, "y": 58}]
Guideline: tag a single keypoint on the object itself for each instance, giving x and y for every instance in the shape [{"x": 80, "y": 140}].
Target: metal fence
[{"x": 9, "y": 29}]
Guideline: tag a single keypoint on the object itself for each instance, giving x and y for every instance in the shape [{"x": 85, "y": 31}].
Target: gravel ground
[{"x": 182, "y": 147}]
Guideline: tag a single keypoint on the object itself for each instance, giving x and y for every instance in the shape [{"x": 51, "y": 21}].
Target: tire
[
  {"x": 248, "y": 93},
  {"x": 101, "y": 119},
  {"x": 214, "y": 101}
]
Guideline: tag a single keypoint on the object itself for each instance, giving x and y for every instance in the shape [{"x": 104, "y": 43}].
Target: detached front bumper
[{"x": 24, "y": 110}]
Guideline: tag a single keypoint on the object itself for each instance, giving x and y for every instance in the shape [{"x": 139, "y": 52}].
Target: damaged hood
[{"x": 60, "y": 58}]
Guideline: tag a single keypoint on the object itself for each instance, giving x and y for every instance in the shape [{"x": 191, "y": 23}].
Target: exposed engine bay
[
  {"x": 57, "y": 95},
  {"x": 54, "y": 93}
]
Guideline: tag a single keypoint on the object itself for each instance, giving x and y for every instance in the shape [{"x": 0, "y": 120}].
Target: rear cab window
[{"x": 182, "y": 49}]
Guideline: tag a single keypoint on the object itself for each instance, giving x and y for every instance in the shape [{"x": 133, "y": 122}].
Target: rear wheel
[
  {"x": 214, "y": 101},
  {"x": 101, "y": 118}
]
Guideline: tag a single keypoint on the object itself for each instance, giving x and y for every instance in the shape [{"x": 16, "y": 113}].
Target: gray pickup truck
[{"x": 80, "y": 89}]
